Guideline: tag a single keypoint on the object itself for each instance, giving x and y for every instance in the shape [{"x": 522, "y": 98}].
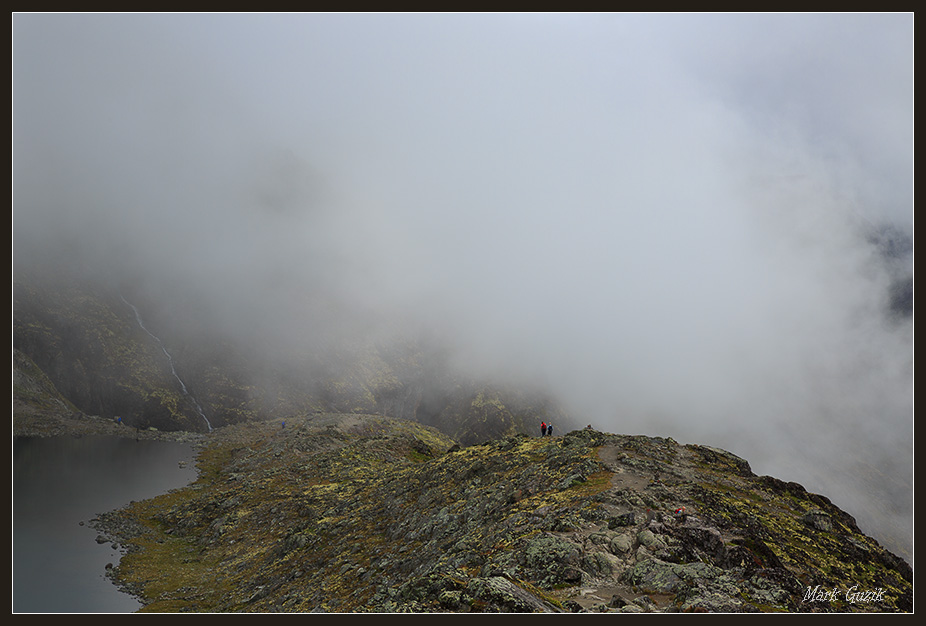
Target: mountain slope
[{"x": 107, "y": 358}]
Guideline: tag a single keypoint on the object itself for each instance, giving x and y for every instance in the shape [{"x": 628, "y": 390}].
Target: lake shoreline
[
  {"x": 81, "y": 425},
  {"x": 68, "y": 487}
]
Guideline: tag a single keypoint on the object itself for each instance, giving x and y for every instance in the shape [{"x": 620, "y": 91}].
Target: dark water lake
[{"x": 59, "y": 482}]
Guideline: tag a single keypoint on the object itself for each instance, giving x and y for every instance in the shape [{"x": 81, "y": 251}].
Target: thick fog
[{"x": 665, "y": 220}]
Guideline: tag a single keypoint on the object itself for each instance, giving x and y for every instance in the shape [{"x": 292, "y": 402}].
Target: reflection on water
[{"x": 59, "y": 482}]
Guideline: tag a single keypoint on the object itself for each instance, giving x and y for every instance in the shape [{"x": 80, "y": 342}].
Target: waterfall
[{"x": 170, "y": 361}]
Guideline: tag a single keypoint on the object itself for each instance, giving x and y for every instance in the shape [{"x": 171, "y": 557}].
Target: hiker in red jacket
[{"x": 543, "y": 429}]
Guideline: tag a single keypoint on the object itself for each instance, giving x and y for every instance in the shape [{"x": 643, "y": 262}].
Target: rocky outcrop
[{"x": 349, "y": 513}]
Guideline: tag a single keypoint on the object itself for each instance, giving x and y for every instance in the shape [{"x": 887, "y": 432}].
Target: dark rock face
[
  {"x": 346, "y": 513},
  {"x": 96, "y": 357},
  {"x": 88, "y": 344}
]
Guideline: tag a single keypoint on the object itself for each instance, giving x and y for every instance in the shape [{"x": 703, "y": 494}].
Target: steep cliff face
[
  {"x": 112, "y": 357},
  {"x": 33, "y": 393},
  {"x": 355, "y": 513},
  {"x": 94, "y": 354}
]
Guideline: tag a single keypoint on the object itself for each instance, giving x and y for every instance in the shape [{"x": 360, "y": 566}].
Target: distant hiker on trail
[
  {"x": 550, "y": 430},
  {"x": 543, "y": 429}
]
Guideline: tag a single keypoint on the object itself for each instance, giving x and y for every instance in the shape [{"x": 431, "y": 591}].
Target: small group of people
[{"x": 546, "y": 429}]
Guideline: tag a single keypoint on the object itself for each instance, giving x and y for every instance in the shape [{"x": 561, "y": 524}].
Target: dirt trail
[{"x": 623, "y": 477}]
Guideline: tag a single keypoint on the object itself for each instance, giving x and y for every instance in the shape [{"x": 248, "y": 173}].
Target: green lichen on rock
[{"x": 357, "y": 513}]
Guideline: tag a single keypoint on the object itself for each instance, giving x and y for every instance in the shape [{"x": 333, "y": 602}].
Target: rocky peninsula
[{"x": 361, "y": 513}]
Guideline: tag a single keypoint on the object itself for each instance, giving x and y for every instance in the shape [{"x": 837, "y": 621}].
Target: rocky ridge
[{"x": 360, "y": 513}]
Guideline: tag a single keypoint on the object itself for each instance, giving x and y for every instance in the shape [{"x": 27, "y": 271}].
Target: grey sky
[{"x": 659, "y": 217}]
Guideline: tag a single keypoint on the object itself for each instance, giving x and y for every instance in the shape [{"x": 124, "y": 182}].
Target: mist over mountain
[{"x": 688, "y": 226}]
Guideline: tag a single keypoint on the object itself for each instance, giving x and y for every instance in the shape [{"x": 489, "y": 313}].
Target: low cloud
[{"x": 665, "y": 221}]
